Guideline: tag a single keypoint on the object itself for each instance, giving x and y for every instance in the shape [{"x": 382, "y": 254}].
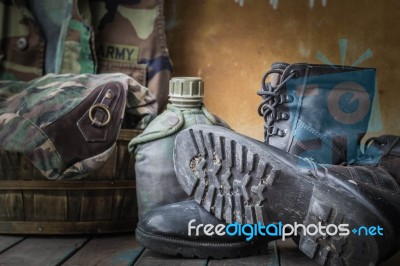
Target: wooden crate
[{"x": 103, "y": 202}]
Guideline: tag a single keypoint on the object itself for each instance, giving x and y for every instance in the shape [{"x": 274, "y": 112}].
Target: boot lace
[
  {"x": 370, "y": 154},
  {"x": 271, "y": 98},
  {"x": 381, "y": 142}
]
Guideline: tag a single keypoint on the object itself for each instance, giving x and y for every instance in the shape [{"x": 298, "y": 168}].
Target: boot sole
[
  {"x": 199, "y": 249},
  {"x": 240, "y": 180}
]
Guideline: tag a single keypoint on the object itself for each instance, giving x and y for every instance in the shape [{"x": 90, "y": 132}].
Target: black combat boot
[
  {"x": 186, "y": 229},
  {"x": 294, "y": 92},
  {"x": 317, "y": 111},
  {"x": 349, "y": 215}
]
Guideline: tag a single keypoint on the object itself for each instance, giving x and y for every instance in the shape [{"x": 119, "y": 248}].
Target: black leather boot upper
[
  {"x": 173, "y": 220},
  {"x": 384, "y": 152},
  {"x": 240, "y": 179},
  {"x": 317, "y": 111},
  {"x": 187, "y": 229}
]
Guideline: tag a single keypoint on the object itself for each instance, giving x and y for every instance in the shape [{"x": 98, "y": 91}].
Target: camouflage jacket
[
  {"x": 67, "y": 125},
  {"x": 70, "y": 36}
]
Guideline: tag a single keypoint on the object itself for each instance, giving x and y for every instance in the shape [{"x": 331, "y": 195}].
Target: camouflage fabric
[
  {"x": 45, "y": 36},
  {"x": 67, "y": 125}
]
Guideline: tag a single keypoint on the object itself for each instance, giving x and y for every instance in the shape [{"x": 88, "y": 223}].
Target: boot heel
[
  {"x": 318, "y": 247},
  {"x": 336, "y": 250}
]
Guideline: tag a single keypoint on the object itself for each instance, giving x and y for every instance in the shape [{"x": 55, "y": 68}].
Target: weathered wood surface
[
  {"x": 104, "y": 201},
  {"x": 269, "y": 259},
  {"x": 150, "y": 258},
  {"x": 118, "y": 250},
  {"x": 122, "y": 250},
  {"x": 290, "y": 255},
  {"x": 39, "y": 251},
  {"x": 7, "y": 242}
]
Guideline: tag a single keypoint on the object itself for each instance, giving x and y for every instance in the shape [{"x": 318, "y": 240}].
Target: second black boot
[
  {"x": 317, "y": 111},
  {"x": 242, "y": 180}
]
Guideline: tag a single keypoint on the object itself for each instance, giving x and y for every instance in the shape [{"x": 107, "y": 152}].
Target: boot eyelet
[
  {"x": 384, "y": 143},
  {"x": 285, "y": 116},
  {"x": 281, "y": 133},
  {"x": 296, "y": 73},
  {"x": 289, "y": 98},
  {"x": 271, "y": 131}
]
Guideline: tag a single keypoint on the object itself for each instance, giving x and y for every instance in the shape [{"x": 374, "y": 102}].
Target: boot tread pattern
[
  {"x": 233, "y": 179},
  {"x": 230, "y": 180}
]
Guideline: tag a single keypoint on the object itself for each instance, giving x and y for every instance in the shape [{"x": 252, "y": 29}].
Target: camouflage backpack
[{"x": 67, "y": 125}]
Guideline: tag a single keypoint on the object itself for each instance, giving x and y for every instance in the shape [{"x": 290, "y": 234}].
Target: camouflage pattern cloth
[
  {"x": 67, "y": 125},
  {"x": 45, "y": 36}
]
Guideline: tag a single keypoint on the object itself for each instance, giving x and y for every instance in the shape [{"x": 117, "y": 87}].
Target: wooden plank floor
[{"x": 122, "y": 250}]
